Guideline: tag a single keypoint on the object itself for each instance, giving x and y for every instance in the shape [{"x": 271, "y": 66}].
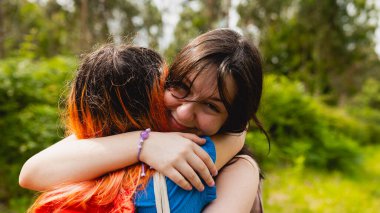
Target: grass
[{"x": 300, "y": 189}]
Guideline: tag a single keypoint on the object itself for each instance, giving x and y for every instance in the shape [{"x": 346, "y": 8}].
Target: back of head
[
  {"x": 233, "y": 55},
  {"x": 114, "y": 91}
]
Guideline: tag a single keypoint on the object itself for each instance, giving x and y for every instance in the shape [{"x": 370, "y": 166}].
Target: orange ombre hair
[{"x": 117, "y": 89}]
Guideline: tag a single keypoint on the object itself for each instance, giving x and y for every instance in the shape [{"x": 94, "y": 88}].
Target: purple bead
[{"x": 145, "y": 134}]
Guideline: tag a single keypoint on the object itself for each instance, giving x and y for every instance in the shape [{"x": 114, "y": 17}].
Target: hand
[{"x": 179, "y": 157}]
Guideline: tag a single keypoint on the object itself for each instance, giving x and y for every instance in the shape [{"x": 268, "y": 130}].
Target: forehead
[
  {"x": 205, "y": 84},
  {"x": 208, "y": 75}
]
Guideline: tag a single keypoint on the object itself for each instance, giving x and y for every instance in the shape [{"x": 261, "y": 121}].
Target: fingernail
[
  {"x": 216, "y": 173},
  {"x": 212, "y": 183}
]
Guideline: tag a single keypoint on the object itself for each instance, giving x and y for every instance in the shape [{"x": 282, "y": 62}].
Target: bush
[
  {"x": 29, "y": 93},
  {"x": 301, "y": 126},
  {"x": 365, "y": 106}
]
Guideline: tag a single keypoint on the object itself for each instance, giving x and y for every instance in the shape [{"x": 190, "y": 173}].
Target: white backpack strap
[{"x": 161, "y": 193}]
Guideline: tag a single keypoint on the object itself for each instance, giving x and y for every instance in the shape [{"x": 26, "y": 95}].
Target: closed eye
[{"x": 212, "y": 107}]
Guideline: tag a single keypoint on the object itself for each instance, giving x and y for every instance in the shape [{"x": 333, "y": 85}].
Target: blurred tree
[
  {"x": 329, "y": 45},
  {"x": 30, "y": 30},
  {"x": 49, "y": 28},
  {"x": 97, "y": 19},
  {"x": 95, "y": 16},
  {"x": 197, "y": 17},
  {"x": 152, "y": 23},
  {"x": 2, "y": 29}
]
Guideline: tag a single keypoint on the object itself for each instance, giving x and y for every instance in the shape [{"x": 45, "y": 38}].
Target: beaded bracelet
[{"x": 143, "y": 136}]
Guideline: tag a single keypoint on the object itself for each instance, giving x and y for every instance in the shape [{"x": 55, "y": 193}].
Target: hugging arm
[{"x": 173, "y": 154}]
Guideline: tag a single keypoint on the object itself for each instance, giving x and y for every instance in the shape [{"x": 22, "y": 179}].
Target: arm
[
  {"x": 227, "y": 146},
  {"x": 236, "y": 189},
  {"x": 65, "y": 161}
]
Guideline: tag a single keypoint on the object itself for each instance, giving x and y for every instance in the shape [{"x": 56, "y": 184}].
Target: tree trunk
[
  {"x": 2, "y": 29},
  {"x": 85, "y": 37}
]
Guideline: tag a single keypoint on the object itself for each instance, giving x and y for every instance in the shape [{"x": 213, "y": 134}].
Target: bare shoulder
[
  {"x": 237, "y": 186},
  {"x": 244, "y": 165}
]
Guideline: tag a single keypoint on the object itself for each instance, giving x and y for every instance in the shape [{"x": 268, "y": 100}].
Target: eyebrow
[
  {"x": 215, "y": 99},
  {"x": 187, "y": 80}
]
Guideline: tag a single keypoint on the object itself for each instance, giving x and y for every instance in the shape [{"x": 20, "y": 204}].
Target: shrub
[
  {"x": 365, "y": 106},
  {"x": 302, "y": 126},
  {"x": 29, "y": 93}
]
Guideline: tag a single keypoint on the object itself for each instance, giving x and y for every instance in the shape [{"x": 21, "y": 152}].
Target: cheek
[{"x": 210, "y": 125}]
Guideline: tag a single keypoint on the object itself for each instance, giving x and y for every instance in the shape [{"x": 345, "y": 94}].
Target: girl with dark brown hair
[{"x": 213, "y": 88}]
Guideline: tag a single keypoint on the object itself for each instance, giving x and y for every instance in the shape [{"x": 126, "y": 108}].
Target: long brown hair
[
  {"x": 116, "y": 89},
  {"x": 232, "y": 55}
]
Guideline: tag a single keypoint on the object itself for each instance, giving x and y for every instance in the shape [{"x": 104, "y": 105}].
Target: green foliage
[
  {"x": 328, "y": 45},
  {"x": 46, "y": 28},
  {"x": 366, "y": 107},
  {"x": 29, "y": 122},
  {"x": 300, "y": 126},
  {"x": 33, "y": 30},
  {"x": 369, "y": 96}
]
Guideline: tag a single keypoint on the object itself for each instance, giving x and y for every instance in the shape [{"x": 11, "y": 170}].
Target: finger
[
  {"x": 198, "y": 140},
  {"x": 202, "y": 154},
  {"x": 179, "y": 179},
  {"x": 190, "y": 175},
  {"x": 200, "y": 167}
]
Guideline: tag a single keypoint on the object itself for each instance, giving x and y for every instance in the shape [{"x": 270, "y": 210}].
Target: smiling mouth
[{"x": 176, "y": 125}]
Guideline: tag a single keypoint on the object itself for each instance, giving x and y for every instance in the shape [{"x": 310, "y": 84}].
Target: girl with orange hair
[
  {"x": 213, "y": 87},
  {"x": 116, "y": 89}
]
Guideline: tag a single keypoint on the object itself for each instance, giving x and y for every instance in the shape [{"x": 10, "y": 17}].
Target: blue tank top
[{"x": 180, "y": 200}]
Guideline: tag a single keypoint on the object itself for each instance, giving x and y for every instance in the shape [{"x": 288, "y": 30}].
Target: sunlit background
[{"x": 321, "y": 103}]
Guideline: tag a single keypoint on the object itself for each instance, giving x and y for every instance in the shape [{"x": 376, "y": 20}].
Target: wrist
[
  {"x": 145, "y": 151},
  {"x": 144, "y": 135}
]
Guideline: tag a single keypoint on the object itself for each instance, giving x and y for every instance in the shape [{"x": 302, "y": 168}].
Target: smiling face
[
  {"x": 237, "y": 69},
  {"x": 194, "y": 105}
]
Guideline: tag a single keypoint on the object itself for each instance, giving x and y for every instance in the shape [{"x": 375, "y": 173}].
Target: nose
[{"x": 186, "y": 113}]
